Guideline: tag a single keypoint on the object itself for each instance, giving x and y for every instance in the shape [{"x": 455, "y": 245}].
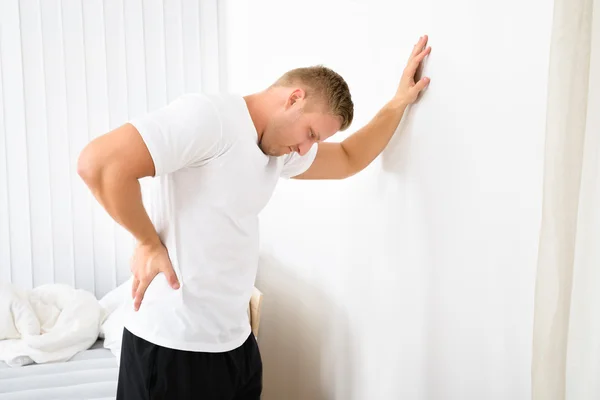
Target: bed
[{"x": 90, "y": 374}]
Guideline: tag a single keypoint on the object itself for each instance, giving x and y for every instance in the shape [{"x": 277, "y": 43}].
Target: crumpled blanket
[{"x": 49, "y": 323}]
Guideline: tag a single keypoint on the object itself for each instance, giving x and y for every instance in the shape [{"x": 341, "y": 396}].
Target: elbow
[
  {"x": 350, "y": 172},
  {"x": 351, "y": 167},
  {"x": 88, "y": 166}
]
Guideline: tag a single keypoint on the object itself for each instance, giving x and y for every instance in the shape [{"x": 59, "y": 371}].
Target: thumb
[
  {"x": 422, "y": 84},
  {"x": 172, "y": 278}
]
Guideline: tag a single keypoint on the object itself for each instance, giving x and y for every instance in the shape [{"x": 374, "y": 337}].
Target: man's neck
[{"x": 261, "y": 106}]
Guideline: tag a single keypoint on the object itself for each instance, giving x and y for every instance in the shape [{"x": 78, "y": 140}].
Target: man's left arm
[{"x": 355, "y": 153}]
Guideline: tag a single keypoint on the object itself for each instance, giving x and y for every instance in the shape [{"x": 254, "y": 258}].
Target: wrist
[
  {"x": 397, "y": 104},
  {"x": 150, "y": 242}
]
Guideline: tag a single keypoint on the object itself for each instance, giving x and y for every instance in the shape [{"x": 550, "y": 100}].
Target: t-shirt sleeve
[
  {"x": 296, "y": 164},
  {"x": 187, "y": 132}
]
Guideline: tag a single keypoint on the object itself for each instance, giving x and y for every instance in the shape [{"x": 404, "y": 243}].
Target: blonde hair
[{"x": 324, "y": 84}]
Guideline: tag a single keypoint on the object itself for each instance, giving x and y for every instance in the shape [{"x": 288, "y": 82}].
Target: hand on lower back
[{"x": 147, "y": 262}]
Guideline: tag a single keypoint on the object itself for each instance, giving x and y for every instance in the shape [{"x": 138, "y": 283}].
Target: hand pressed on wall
[
  {"x": 408, "y": 89},
  {"x": 148, "y": 261}
]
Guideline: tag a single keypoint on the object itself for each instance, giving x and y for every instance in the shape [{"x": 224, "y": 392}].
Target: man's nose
[{"x": 303, "y": 148}]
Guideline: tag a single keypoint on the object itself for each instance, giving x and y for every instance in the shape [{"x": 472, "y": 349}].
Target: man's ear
[{"x": 295, "y": 96}]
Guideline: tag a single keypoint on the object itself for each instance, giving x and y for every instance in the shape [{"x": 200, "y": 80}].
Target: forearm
[
  {"x": 122, "y": 199},
  {"x": 367, "y": 143}
]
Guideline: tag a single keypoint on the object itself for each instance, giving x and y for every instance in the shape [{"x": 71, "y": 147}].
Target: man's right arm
[
  {"x": 111, "y": 165},
  {"x": 185, "y": 133}
]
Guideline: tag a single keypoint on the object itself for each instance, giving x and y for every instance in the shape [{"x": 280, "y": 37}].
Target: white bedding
[
  {"x": 91, "y": 374},
  {"x": 49, "y": 323},
  {"x": 49, "y": 347}
]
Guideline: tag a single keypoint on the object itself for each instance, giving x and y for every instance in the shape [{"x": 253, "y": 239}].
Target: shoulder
[
  {"x": 234, "y": 115},
  {"x": 196, "y": 106},
  {"x": 226, "y": 105}
]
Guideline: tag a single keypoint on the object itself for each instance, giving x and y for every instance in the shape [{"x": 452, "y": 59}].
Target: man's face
[{"x": 294, "y": 127}]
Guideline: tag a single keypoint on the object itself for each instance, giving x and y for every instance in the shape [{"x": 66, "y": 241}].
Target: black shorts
[{"x": 148, "y": 371}]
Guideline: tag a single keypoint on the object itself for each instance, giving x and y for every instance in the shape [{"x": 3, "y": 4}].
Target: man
[{"x": 216, "y": 160}]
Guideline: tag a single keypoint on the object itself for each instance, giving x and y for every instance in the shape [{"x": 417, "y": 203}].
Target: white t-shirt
[{"x": 212, "y": 180}]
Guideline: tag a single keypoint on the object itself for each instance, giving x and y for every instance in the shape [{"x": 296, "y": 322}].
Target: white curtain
[
  {"x": 71, "y": 70},
  {"x": 566, "y": 348}
]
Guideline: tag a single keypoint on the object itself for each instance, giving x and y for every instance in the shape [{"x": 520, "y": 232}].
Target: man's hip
[{"x": 148, "y": 371}]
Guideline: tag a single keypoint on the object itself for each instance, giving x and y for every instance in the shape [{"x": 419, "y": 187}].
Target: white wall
[
  {"x": 70, "y": 71},
  {"x": 415, "y": 278}
]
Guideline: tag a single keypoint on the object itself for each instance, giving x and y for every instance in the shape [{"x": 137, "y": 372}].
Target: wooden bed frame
[{"x": 254, "y": 310}]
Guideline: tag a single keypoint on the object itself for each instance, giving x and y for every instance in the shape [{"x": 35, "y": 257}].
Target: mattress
[{"x": 91, "y": 374}]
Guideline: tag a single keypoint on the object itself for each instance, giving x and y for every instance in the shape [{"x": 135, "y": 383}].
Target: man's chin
[{"x": 274, "y": 152}]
